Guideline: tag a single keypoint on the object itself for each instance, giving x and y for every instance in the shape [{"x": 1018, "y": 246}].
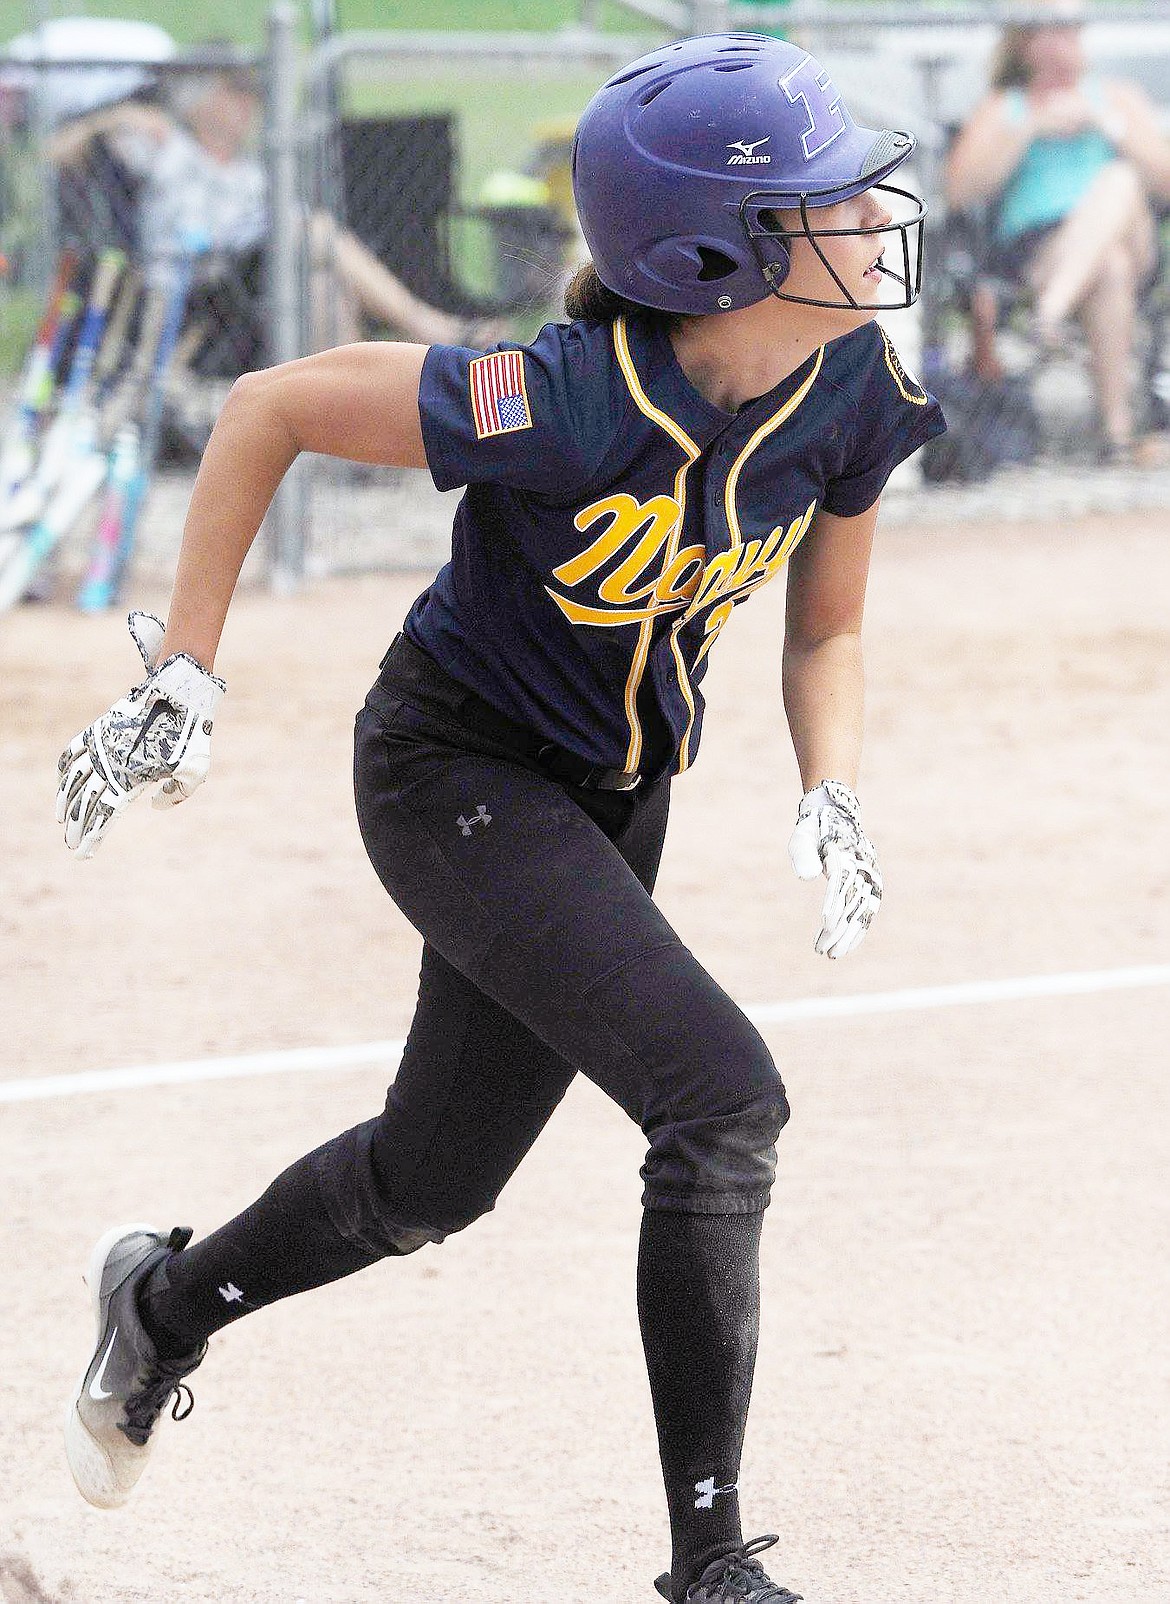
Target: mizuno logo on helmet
[{"x": 745, "y": 152}]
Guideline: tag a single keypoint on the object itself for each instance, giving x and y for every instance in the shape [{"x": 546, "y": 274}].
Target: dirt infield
[{"x": 964, "y": 1384}]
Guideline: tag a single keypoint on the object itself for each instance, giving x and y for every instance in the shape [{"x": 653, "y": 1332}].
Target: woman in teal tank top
[
  {"x": 1056, "y": 171},
  {"x": 1069, "y": 166}
]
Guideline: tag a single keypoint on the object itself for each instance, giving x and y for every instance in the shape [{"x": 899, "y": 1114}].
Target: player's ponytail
[{"x": 587, "y": 298}]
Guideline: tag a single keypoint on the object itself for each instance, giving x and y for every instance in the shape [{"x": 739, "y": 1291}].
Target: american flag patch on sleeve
[{"x": 499, "y": 401}]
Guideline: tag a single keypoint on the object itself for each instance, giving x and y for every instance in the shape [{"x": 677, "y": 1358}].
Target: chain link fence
[
  {"x": 416, "y": 186},
  {"x": 105, "y": 180},
  {"x": 117, "y": 174},
  {"x": 447, "y": 156}
]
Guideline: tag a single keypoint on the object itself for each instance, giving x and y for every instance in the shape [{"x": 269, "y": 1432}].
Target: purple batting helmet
[{"x": 681, "y": 160}]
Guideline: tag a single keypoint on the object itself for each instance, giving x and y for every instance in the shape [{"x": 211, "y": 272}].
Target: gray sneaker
[
  {"x": 737, "y": 1578},
  {"x": 126, "y": 1385}
]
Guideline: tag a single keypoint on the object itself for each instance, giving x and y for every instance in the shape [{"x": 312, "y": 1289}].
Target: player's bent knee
[
  {"x": 367, "y": 1202},
  {"x": 713, "y": 1143},
  {"x": 723, "y": 1162}
]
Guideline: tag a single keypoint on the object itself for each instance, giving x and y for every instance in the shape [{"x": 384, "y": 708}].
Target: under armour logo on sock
[
  {"x": 231, "y": 1293},
  {"x": 707, "y": 1491},
  {"x": 480, "y": 816}
]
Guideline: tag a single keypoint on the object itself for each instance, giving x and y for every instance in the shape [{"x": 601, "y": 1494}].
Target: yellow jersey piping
[
  {"x": 765, "y": 429},
  {"x": 682, "y": 439},
  {"x": 899, "y": 375},
  {"x": 760, "y": 435}
]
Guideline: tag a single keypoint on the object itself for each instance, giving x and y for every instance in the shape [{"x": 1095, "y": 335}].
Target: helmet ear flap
[
  {"x": 772, "y": 250},
  {"x": 700, "y": 261}
]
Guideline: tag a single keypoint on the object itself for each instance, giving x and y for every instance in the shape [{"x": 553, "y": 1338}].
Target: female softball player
[{"x": 718, "y": 407}]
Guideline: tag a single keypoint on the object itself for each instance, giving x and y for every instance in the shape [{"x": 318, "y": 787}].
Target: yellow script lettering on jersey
[
  {"x": 650, "y": 525},
  {"x": 629, "y": 591}
]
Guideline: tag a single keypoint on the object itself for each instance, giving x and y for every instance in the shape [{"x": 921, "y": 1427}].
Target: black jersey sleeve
[
  {"x": 894, "y": 416},
  {"x": 535, "y": 417}
]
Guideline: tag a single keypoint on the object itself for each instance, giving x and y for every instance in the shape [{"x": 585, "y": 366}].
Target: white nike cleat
[{"x": 126, "y": 1385}]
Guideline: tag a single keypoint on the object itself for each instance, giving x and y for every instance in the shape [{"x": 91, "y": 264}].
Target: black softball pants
[{"x": 544, "y": 956}]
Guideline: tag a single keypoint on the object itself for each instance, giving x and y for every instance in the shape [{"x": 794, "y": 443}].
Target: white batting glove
[
  {"x": 829, "y": 840},
  {"x": 159, "y": 732}
]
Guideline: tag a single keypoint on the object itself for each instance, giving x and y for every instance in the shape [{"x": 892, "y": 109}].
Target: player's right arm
[{"x": 359, "y": 402}]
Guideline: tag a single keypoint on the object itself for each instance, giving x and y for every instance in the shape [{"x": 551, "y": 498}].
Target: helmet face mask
[
  {"x": 773, "y": 253},
  {"x": 677, "y": 155}
]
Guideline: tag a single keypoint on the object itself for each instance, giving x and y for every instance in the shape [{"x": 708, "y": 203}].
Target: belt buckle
[
  {"x": 612, "y": 780},
  {"x": 564, "y": 766}
]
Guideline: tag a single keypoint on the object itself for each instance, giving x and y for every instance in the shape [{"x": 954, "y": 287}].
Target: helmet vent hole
[
  {"x": 714, "y": 265},
  {"x": 734, "y": 66},
  {"x": 653, "y": 94},
  {"x": 636, "y": 72}
]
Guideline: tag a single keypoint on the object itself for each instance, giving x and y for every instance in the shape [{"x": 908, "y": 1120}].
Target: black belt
[{"x": 406, "y": 668}]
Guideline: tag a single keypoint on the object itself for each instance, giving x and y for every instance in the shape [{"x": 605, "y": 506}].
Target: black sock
[
  {"x": 283, "y": 1243},
  {"x": 699, "y": 1309}
]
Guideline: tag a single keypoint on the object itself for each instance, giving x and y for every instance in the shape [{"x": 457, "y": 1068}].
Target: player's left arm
[
  {"x": 824, "y": 696},
  {"x": 823, "y": 677}
]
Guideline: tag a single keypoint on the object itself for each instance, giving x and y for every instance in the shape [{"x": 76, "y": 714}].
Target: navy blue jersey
[{"x": 614, "y": 518}]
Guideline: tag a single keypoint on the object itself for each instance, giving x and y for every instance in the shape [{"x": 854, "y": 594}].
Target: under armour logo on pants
[{"x": 480, "y": 816}]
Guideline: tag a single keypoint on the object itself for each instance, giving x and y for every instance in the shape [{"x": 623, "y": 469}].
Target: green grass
[
  {"x": 20, "y": 312},
  {"x": 243, "y": 20}
]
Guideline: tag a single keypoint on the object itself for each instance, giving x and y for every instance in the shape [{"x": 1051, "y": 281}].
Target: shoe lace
[
  {"x": 143, "y": 1407},
  {"x": 743, "y": 1577}
]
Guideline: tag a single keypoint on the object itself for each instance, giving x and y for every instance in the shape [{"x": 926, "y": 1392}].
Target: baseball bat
[
  {"x": 29, "y": 502},
  {"x": 151, "y": 436},
  {"x": 120, "y": 422},
  {"x": 81, "y": 484},
  {"x": 97, "y": 587},
  {"x": 34, "y": 392},
  {"x": 83, "y": 465},
  {"x": 116, "y": 336}
]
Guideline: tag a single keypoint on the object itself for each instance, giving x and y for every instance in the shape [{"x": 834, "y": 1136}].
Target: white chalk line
[{"x": 387, "y": 1053}]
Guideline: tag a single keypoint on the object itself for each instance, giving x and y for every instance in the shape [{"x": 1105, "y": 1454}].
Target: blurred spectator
[
  {"x": 34, "y": 97},
  {"x": 1069, "y": 165},
  {"x": 196, "y": 170},
  {"x": 71, "y": 91}
]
